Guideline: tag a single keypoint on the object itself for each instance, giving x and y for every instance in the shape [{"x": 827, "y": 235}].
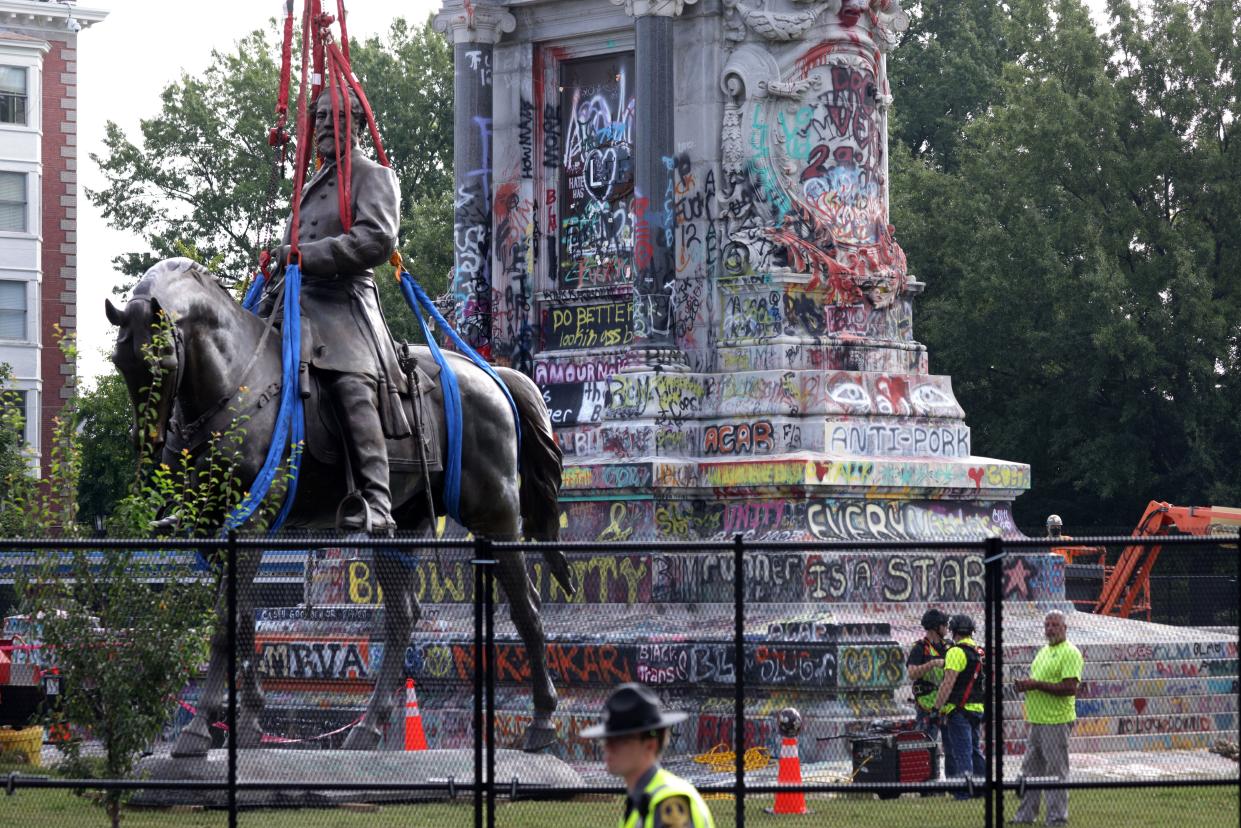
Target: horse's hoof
[
  {"x": 192, "y": 743},
  {"x": 558, "y": 564},
  {"x": 362, "y": 737},
  {"x": 539, "y": 736}
]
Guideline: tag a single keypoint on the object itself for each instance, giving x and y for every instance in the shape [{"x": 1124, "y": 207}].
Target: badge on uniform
[{"x": 673, "y": 812}]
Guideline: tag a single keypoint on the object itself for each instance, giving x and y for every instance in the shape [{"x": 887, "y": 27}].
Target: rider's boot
[{"x": 357, "y": 397}]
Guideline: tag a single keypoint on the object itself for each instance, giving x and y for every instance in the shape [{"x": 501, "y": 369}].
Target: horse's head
[{"x": 150, "y": 363}]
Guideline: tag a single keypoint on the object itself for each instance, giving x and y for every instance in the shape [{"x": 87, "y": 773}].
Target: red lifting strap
[
  {"x": 342, "y": 61},
  {"x": 343, "y": 165},
  {"x": 303, "y": 134},
  {"x": 331, "y": 69},
  {"x": 344, "y": 30}
]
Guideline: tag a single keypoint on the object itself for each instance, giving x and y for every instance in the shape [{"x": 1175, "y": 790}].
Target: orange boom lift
[{"x": 1126, "y": 585}]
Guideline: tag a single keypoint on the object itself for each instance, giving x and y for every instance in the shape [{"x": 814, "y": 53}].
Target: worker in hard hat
[
  {"x": 960, "y": 701},
  {"x": 1055, "y": 526},
  {"x": 925, "y": 666}
]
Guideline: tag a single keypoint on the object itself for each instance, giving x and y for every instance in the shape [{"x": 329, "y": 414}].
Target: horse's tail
[
  {"x": 540, "y": 459},
  {"x": 541, "y": 468}
]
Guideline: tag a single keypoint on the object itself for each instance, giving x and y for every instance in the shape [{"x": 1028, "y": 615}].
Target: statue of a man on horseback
[
  {"x": 505, "y": 470},
  {"x": 348, "y": 224}
]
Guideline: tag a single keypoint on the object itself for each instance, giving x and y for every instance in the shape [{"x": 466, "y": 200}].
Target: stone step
[
  {"x": 850, "y": 448},
  {"x": 910, "y": 581},
  {"x": 670, "y": 659},
  {"x": 1114, "y": 671},
  {"x": 861, "y": 355},
  {"x": 674, "y": 397},
  {"x": 825, "y": 666},
  {"x": 1160, "y": 651},
  {"x": 1099, "y": 726},
  {"x": 1178, "y": 705},
  {"x": 765, "y": 622},
  {"x": 1140, "y": 742}
]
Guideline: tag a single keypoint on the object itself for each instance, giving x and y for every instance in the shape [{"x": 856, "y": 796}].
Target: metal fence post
[
  {"x": 739, "y": 680},
  {"x": 994, "y": 599},
  {"x": 479, "y": 589},
  {"x": 1000, "y": 744},
  {"x": 489, "y": 620},
  {"x": 231, "y": 589}
]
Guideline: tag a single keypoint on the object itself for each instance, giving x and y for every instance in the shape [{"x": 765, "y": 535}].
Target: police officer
[
  {"x": 959, "y": 701},
  {"x": 635, "y": 732},
  {"x": 925, "y": 666}
]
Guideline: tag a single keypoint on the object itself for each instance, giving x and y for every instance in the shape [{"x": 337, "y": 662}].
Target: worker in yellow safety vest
[{"x": 635, "y": 732}]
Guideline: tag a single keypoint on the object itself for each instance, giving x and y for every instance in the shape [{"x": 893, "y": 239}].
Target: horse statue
[{"x": 222, "y": 362}]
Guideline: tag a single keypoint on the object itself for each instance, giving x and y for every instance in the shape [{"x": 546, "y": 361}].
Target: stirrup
[{"x": 368, "y": 520}]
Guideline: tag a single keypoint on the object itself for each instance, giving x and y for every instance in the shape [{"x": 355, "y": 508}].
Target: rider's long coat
[{"x": 347, "y": 331}]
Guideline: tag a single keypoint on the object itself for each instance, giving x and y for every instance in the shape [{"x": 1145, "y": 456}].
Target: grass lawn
[{"x": 1215, "y": 807}]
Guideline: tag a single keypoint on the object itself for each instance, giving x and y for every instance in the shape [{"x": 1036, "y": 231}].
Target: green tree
[
  {"x": 14, "y": 463},
  {"x": 127, "y": 628},
  {"x": 105, "y": 416},
  {"x": 946, "y": 73},
  {"x": 1081, "y": 261},
  {"x": 201, "y": 171},
  {"x": 200, "y": 174}
]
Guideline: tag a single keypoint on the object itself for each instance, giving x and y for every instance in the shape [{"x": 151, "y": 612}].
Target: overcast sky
[{"x": 123, "y": 64}]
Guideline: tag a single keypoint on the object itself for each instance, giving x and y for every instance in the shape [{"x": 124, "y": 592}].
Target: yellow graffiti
[
  {"x": 576, "y": 477},
  {"x": 442, "y": 584},
  {"x": 437, "y": 661},
  {"x": 613, "y": 531},
  {"x": 725, "y": 475},
  {"x": 1008, "y": 477},
  {"x": 361, "y": 590},
  {"x": 671, "y": 523}
]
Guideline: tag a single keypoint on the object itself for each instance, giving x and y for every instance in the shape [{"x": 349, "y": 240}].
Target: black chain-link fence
[{"x": 376, "y": 681}]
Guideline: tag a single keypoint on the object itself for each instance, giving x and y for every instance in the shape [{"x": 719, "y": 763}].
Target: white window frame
[
  {"x": 28, "y": 56},
  {"x": 34, "y": 224},
  {"x": 25, "y": 231},
  {"x": 26, "y": 338},
  {"x": 26, "y": 71}
]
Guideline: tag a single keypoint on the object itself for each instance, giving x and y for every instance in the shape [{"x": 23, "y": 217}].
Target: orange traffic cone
[
  {"x": 789, "y": 773},
  {"x": 415, "y": 738}
]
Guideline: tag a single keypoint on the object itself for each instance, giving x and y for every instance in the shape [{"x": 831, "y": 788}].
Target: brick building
[{"x": 38, "y": 201}]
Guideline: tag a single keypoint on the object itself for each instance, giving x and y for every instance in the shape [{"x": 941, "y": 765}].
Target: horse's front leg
[
  {"x": 195, "y": 738},
  {"x": 250, "y": 700},
  {"x": 524, "y": 607},
  {"x": 401, "y": 611}
]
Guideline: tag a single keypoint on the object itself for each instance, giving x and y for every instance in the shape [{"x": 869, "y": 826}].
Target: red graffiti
[{"x": 743, "y": 438}]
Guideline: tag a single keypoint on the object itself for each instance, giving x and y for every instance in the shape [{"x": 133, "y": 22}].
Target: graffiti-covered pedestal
[
  {"x": 794, "y": 401},
  {"x": 825, "y": 632}
]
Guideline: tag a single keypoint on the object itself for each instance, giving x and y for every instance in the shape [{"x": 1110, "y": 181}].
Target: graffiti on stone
[
  {"x": 577, "y": 327},
  {"x": 597, "y": 225}
]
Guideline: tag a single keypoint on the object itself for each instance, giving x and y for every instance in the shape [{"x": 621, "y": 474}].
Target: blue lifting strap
[
  {"x": 251, "y": 302},
  {"x": 418, "y": 300},
  {"x": 290, "y": 417}
]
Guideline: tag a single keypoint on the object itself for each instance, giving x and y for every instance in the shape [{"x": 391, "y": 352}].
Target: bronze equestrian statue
[{"x": 224, "y": 362}]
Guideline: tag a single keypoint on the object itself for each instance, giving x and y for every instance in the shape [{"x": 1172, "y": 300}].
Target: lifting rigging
[{"x": 325, "y": 66}]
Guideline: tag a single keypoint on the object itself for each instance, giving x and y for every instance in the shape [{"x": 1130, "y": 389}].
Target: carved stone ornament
[
  {"x": 804, "y": 147},
  {"x": 661, "y": 8},
  {"x": 884, "y": 18},
  {"x": 475, "y": 22}
]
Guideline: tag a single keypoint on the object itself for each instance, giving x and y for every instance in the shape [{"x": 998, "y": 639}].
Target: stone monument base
[{"x": 346, "y": 767}]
